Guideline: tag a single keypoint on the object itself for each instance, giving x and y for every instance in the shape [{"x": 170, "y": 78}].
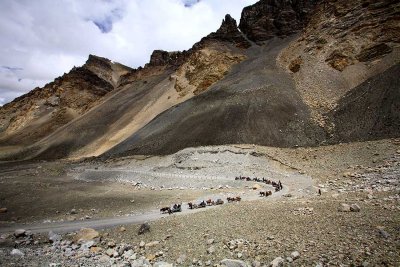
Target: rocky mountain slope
[
  {"x": 297, "y": 73},
  {"x": 38, "y": 113}
]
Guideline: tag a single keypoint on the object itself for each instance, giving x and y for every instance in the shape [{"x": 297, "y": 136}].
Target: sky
[{"x": 43, "y": 39}]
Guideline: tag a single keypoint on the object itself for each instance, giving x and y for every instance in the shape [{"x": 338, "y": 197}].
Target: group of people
[
  {"x": 277, "y": 185},
  {"x": 204, "y": 204},
  {"x": 173, "y": 209}
]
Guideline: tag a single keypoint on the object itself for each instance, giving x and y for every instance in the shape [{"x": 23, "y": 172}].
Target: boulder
[
  {"x": 53, "y": 237},
  {"x": 374, "y": 52},
  {"x": 355, "y": 208},
  {"x": 152, "y": 244},
  {"x": 17, "y": 253},
  {"x": 3, "y": 210},
  {"x": 211, "y": 250},
  {"x": 144, "y": 228},
  {"x": 19, "y": 232},
  {"x": 86, "y": 234},
  {"x": 344, "y": 207},
  {"x": 95, "y": 250},
  {"x": 233, "y": 263},
  {"x": 295, "y": 255},
  {"x": 111, "y": 252},
  {"x": 277, "y": 262},
  {"x": 87, "y": 245}
]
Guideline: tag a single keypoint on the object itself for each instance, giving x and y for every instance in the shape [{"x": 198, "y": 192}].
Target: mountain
[
  {"x": 38, "y": 113},
  {"x": 292, "y": 73}
]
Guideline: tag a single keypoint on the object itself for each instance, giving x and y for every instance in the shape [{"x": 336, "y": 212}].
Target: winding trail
[{"x": 63, "y": 227}]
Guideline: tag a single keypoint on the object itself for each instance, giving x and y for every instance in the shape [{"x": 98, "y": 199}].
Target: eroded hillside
[
  {"x": 297, "y": 73},
  {"x": 40, "y": 112}
]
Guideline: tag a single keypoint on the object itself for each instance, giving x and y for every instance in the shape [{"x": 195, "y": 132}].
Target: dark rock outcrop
[
  {"x": 229, "y": 32},
  {"x": 268, "y": 18},
  {"x": 374, "y": 52},
  {"x": 164, "y": 58}
]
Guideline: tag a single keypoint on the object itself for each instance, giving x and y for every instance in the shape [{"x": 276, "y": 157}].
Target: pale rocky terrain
[{"x": 254, "y": 231}]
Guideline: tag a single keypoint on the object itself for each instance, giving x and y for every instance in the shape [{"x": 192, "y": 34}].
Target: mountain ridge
[{"x": 253, "y": 85}]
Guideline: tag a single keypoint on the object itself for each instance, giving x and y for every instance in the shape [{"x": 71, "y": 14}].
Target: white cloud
[{"x": 46, "y": 38}]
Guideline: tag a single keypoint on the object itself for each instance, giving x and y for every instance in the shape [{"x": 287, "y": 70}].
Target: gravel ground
[{"x": 258, "y": 230}]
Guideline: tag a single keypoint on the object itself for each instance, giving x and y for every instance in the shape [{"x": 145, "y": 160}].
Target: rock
[
  {"x": 144, "y": 228},
  {"x": 270, "y": 237},
  {"x": 383, "y": 233},
  {"x": 295, "y": 64},
  {"x": 210, "y": 241},
  {"x": 339, "y": 61},
  {"x": 142, "y": 262},
  {"x": 167, "y": 237},
  {"x": 181, "y": 259},
  {"x": 73, "y": 211},
  {"x": 289, "y": 259},
  {"x": 142, "y": 244},
  {"x": 162, "y": 264},
  {"x": 208, "y": 263},
  {"x": 277, "y": 262},
  {"x": 266, "y": 19},
  {"x": 53, "y": 237},
  {"x": 256, "y": 264},
  {"x": 151, "y": 257},
  {"x": 355, "y": 208},
  {"x": 160, "y": 253},
  {"x": 127, "y": 254},
  {"x": 122, "y": 229},
  {"x": 233, "y": 263},
  {"x": 86, "y": 234},
  {"x": 111, "y": 244},
  {"x": 71, "y": 218},
  {"x": 104, "y": 259},
  {"x": 17, "y": 253},
  {"x": 87, "y": 245},
  {"x": 374, "y": 52},
  {"x": 344, "y": 207},
  {"x": 239, "y": 255},
  {"x": 111, "y": 252},
  {"x": 95, "y": 250},
  {"x": 3, "y": 210},
  {"x": 228, "y": 31},
  {"x": 152, "y": 244},
  {"x": 19, "y": 232},
  {"x": 295, "y": 255},
  {"x": 211, "y": 250}
]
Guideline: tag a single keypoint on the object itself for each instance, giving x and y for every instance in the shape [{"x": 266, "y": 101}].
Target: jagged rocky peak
[
  {"x": 228, "y": 31},
  {"x": 268, "y": 18},
  {"x": 228, "y": 26},
  {"x": 106, "y": 69},
  {"x": 96, "y": 60}
]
